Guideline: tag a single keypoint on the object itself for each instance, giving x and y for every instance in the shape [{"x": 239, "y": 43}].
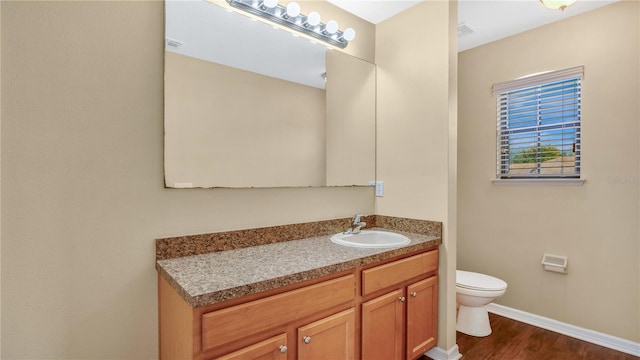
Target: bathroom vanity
[{"x": 303, "y": 298}]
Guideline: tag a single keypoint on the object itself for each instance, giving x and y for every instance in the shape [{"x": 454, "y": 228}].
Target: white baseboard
[
  {"x": 577, "y": 332},
  {"x": 437, "y": 353}
]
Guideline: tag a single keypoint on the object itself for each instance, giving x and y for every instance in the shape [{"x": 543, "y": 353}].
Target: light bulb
[
  {"x": 349, "y": 34},
  {"x": 557, "y": 4},
  {"x": 293, "y": 9},
  {"x": 270, "y": 3},
  {"x": 313, "y": 18},
  {"x": 331, "y": 27}
]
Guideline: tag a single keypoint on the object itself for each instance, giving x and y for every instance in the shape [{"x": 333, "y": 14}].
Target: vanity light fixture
[
  {"x": 557, "y": 4},
  {"x": 293, "y": 9},
  {"x": 291, "y": 17}
]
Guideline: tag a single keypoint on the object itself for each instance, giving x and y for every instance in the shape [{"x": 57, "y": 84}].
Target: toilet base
[{"x": 473, "y": 321}]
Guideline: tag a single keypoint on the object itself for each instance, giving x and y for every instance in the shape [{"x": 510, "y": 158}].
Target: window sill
[{"x": 539, "y": 182}]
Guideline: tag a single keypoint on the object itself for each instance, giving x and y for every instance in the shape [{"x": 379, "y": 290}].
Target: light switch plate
[{"x": 379, "y": 188}]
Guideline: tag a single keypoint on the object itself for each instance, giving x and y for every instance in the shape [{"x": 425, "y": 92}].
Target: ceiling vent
[
  {"x": 176, "y": 44},
  {"x": 464, "y": 30}
]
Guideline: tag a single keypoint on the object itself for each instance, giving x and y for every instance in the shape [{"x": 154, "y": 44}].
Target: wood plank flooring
[{"x": 513, "y": 340}]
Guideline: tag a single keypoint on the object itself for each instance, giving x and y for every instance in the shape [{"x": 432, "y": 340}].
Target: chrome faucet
[{"x": 356, "y": 224}]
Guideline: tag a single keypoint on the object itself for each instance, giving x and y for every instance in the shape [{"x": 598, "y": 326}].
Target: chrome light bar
[{"x": 291, "y": 17}]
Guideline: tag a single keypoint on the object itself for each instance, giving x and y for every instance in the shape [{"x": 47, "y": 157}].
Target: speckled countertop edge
[
  {"x": 174, "y": 247},
  {"x": 215, "y": 277}
]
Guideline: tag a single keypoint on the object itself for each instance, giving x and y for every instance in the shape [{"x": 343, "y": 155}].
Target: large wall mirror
[{"x": 249, "y": 105}]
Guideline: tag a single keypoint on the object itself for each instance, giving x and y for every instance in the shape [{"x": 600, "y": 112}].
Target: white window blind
[{"x": 538, "y": 125}]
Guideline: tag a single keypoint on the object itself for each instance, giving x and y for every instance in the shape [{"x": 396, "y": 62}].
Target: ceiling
[
  {"x": 489, "y": 20},
  {"x": 374, "y": 11},
  {"x": 209, "y": 32}
]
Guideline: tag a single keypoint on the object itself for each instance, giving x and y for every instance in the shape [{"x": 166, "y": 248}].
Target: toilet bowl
[{"x": 473, "y": 292}]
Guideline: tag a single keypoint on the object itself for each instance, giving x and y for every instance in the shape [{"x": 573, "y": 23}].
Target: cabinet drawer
[
  {"x": 390, "y": 274},
  {"x": 274, "y": 348},
  {"x": 237, "y": 322}
]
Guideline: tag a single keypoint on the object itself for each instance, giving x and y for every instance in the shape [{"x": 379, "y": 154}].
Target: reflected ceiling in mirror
[{"x": 211, "y": 32}]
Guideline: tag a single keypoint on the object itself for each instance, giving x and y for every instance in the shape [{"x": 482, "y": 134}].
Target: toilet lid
[{"x": 476, "y": 281}]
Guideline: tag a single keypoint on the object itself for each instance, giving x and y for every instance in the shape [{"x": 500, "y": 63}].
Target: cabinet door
[
  {"x": 422, "y": 317},
  {"x": 329, "y": 338},
  {"x": 382, "y": 325},
  {"x": 274, "y": 348},
  {"x": 247, "y": 319}
]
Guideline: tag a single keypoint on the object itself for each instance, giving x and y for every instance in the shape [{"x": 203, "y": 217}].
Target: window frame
[{"x": 532, "y": 85}]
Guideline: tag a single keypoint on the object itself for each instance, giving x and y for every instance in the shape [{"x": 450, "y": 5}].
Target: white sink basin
[{"x": 371, "y": 239}]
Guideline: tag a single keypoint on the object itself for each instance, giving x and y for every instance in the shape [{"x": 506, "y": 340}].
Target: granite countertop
[{"x": 218, "y": 276}]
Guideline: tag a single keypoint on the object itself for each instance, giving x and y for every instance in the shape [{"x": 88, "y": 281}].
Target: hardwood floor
[{"x": 513, "y": 340}]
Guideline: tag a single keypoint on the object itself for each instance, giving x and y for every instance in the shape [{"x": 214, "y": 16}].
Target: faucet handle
[{"x": 357, "y": 218}]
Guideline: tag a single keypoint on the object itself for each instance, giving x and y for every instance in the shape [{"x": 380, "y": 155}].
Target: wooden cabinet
[
  {"x": 382, "y": 327},
  {"x": 328, "y": 338},
  {"x": 401, "y": 323},
  {"x": 395, "y": 273},
  {"x": 382, "y": 312},
  {"x": 422, "y": 316},
  {"x": 268, "y": 327},
  {"x": 254, "y": 317},
  {"x": 274, "y": 348}
]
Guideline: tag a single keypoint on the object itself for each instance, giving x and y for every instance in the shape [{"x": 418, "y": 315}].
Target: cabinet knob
[
  {"x": 414, "y": 294},
  {"x": 402, "y": 298},
  {"x": 306, "y": 339},
  {"x": 283, "y": 349}
]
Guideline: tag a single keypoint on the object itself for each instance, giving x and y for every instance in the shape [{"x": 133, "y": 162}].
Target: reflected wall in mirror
[
  {"x": 350, "y": 122},
  {"x": 246, "y": 105}
]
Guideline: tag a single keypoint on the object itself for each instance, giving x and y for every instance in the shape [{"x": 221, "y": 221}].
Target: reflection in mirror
[
  {"x": 351, "y": 130},
  {"x": 213, "y": 33},
  {"x": 238, "y": 114}
]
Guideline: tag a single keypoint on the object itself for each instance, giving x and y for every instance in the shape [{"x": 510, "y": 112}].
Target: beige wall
[
  {"x": 0, "y": 186},
  {"x": 82, "y": 189},
  {"x": 226, "y": 127},
  {"x": 505, "y": 230},
  {"x": 415, "y": 62},
  {"x": 449, "y": 257},
  {"x": 351, "y": 120}
]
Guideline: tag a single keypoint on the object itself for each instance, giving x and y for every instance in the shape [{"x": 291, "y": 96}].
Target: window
[{"x": 538, "y": 129}]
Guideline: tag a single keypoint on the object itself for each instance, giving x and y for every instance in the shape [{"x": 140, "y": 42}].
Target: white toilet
[{"x": 473, "y": 292}]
